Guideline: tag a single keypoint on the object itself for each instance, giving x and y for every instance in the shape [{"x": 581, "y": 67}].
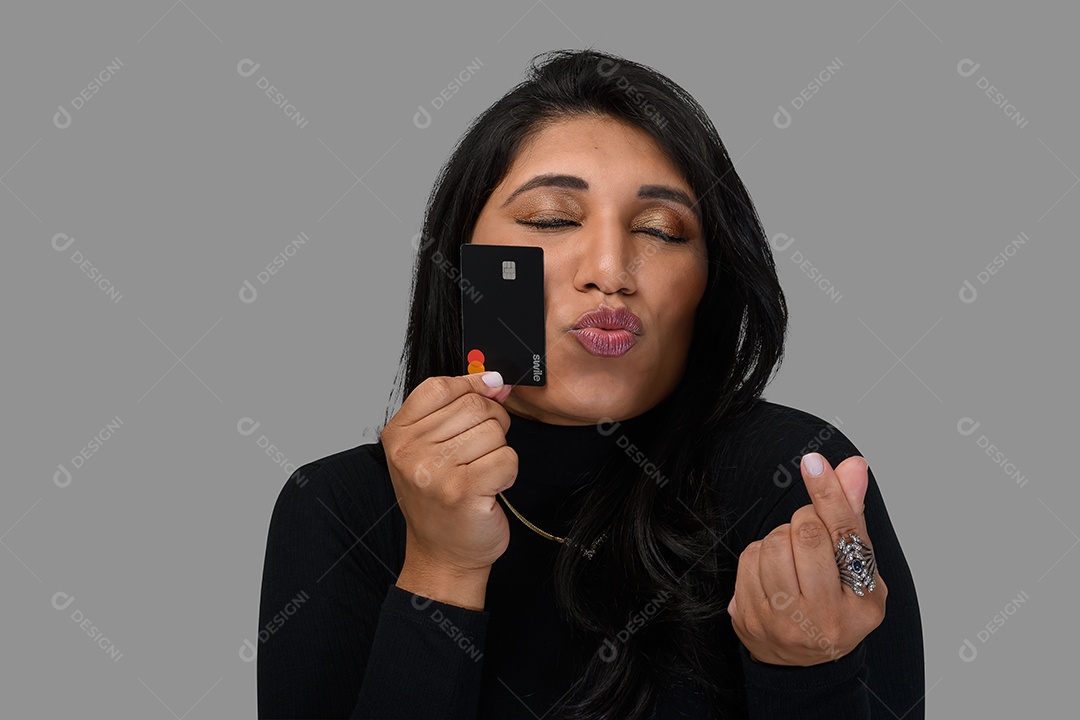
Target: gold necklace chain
[{"x": 587, "y": 553}]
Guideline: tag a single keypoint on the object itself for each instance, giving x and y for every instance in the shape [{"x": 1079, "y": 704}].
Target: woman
[{"x": 659, "y": 554}]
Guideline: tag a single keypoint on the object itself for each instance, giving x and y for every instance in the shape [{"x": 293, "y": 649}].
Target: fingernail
[
  {"x": 493, "y": 379},
  {"x": 813, "y": 464}
]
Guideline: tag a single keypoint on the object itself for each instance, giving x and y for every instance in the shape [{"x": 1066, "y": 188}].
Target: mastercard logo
[{"x": 476, "y": 361}]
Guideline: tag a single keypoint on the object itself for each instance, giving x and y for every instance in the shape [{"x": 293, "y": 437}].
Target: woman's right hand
[{"x": 448, "y": 458}]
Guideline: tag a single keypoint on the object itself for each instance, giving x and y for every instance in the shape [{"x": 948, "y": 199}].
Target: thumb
[
  {"x": 489, "y": 384},
  {"x": 853, "y": 476}
]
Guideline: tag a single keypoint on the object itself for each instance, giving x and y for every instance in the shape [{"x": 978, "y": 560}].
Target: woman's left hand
[{"x": 790, "y": 607}]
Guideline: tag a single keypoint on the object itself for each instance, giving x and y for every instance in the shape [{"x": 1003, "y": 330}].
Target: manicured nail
[
  {"x": 813, "y": 464},
  {"x": 493, "y": 379}
]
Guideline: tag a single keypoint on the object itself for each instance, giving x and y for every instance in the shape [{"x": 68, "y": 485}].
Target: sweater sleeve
[
  {"x": 336, "y": 637},
  {"x": 883, "y": 677},
  {"x": 426, "y": 660}
]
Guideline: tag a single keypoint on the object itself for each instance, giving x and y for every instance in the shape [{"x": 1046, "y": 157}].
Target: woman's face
[{"x": 612, "y": 195}]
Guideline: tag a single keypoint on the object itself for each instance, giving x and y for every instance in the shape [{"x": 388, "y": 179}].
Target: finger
[
  {"x": 748, "y": 592},
  {"x": 493, "y": 473},
  {"x": 474, "y": 443},
  {"x": 464, "y": 413},
  {"x": 814, "y": 557},
  {"x": 853, "y": 474},
  {"x": 501, "y": 396},
  {"x": 776, "y": 568},
  {"x": 829, "y": 499},
  {"x": 439, "y": 391}
]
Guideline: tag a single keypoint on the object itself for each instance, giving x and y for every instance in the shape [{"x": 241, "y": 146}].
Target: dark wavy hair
[{"x": 661, "y": 540}]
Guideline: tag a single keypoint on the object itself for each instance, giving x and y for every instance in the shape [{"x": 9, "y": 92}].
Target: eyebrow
[{"x": 572, "y": 182}]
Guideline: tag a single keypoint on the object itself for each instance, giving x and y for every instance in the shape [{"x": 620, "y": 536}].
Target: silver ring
[{"x": 857, "y": 564}]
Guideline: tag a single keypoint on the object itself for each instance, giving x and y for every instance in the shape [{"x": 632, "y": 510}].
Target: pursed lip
[{"x": 606, "y": 317}]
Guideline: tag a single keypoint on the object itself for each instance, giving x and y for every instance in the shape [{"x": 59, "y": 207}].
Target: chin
[
  {"x": 594, "y": 403},
  {"x": 587, "y": 402}
]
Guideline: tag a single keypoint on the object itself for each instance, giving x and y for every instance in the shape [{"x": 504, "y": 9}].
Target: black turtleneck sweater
[{"x": 337, "y": 637}]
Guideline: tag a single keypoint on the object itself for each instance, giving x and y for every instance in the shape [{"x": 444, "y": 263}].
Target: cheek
[
  {"x": 558, "y": 283},
  {"x": 676, "y": 326},
  {"x": 681, "y": 290}
]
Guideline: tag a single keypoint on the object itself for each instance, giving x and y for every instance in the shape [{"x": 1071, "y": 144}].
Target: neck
[{"x": 567, "y": 454}]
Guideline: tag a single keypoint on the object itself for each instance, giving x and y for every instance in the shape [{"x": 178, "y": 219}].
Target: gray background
[{"x": 180, "y": 179}]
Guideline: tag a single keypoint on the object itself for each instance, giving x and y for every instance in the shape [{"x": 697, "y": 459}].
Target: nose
[{"x": 605, "y": 258}]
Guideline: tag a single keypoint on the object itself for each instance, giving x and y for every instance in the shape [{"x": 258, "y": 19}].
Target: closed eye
[
  {"x": 547, "y": 223},
  {"x": 556, "y": 223}
]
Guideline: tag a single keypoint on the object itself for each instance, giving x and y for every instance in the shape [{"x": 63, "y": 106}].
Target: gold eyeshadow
[
  {"x": 549, "y": 202},
  {"x": 562, "y": 205},
  {"x": 663, "y": 219}
]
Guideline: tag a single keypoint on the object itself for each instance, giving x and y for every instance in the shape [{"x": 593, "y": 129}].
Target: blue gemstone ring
[{"x": 857, "y": 565}]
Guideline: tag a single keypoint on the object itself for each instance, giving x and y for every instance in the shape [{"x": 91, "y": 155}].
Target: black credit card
[{"x": 502, "y": 312}]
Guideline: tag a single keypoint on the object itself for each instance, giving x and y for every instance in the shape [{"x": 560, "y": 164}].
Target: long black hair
[{"x": 661, "y": 568}]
